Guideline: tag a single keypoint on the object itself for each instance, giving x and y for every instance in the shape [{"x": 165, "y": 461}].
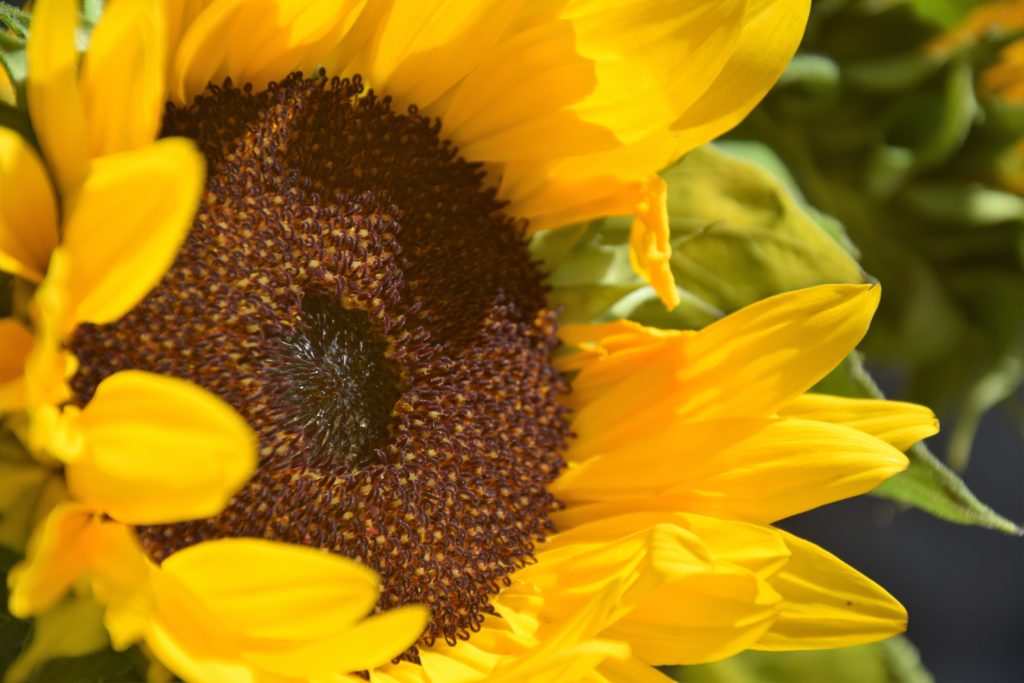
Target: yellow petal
[
  {"x": 16, "y": 342},
  {"x": 569, "y": 648},
  {"x": 59, "y": 552},
  {"x": 699, "y": 618},
  {"x": 180, "y": 15},
  {"x": 757, "y": 470},
  {"x": 649, "y": 248},
  {"x": 208, "y": 622},
  {"x": 159, "y": 450},
  {"x": 566, "y": 664},
  {"x": 771, "y": 32},
  {"x": 28, "y": 211},
  {"x": 122, "y": 81},
  {"x": 121, "y": 582},
  {"x": 555, "y": 192},
  {"x": 783, "y": 345},
  {"x": 373, "y": 642},
  {"x": 756, "y": 547},
  {"x": 574, "y": 82},
  {"x": 895, "y": 422},
  {"x": 828, "y": 604},
  {"x": 681, "y": 605},
  {"x": 48, "y": 366},
  {"x": 749, "y": 364},
  {"x": 53, "y": 100},
  {"x": 134, "y": 211},
  {"x": 256, "y": 41},
  {"x": 422, "y": 49},
  {"x": 285, "y": 592},
  {"x": 632, "y": 670}
]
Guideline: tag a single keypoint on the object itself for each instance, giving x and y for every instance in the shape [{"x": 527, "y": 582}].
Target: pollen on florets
[{"x": 354, "y": 290}]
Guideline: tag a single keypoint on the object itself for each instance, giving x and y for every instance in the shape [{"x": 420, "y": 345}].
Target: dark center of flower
[
  {"x": 336, "y": 382},
  {"x": 352, "y": 288}
]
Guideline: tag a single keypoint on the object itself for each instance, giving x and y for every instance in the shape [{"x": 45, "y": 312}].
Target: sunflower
[{"x": 349, "y": 303}]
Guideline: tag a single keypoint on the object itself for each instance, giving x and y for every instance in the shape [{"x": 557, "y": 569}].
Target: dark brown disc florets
[{"x": 354, "y": 291}]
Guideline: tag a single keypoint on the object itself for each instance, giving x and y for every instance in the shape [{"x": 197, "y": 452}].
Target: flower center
[{"x": 352, "y": 288}]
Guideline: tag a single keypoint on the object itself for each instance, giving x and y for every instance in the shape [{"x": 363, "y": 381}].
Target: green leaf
[
  {"x": 926, "y": 484},
  {"x": 739, "y": 236},
  {"x": 891, "y": 661}
]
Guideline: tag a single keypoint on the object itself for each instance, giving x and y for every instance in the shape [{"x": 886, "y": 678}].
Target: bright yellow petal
[
  {"x": 570, "y": 189},
  {"x": 134, "y": 211},
  {"x": 757, "y": 470},
  {"x": 28, "y": 210},
  {"x": 749, "y": 364},
  {"x": 755, "y": 547},
  {"x": 122, "y": 81},
  {"x": 159, "y": 450},
  {"x": 828, "y": 604},
  {"x": 256, "y": 41},
  {"x": 16, "y": 342},
  {"x": 48, "y": 366},
  {"x": 286, "y": 592},
  {"x": 373, "y": 642},
  {"x": 782, "y": 345},
  {"x": 649, "y": 248},
  {"x": 422, "y": 49},
  {"x": 700, "y": 618},
  {"x": 667, "y": 567},
  {"x": 569, "y": 646},
  {"x": 633, "y": 670},
  {"x": 60, "y": 551},
  {"x": 895, "y": 422},
  {"x": 53, "y": 100},
  {"x": 121, "y": 581},
  {"x": 244, "y": 616},
  {"x": 771, "y": 32},
  {"x": 562, "y": 665},
  {"x": 574, "y": 81}
]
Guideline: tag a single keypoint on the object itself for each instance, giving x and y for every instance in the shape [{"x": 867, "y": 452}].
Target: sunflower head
[{"x": 300, "y": 366}]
